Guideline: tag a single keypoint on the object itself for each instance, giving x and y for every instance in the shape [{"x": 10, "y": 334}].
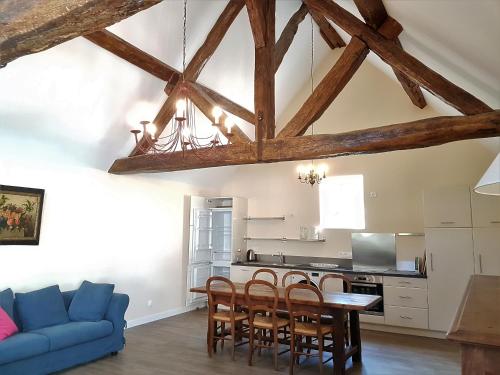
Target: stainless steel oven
[{"x": 372, "y": 285}]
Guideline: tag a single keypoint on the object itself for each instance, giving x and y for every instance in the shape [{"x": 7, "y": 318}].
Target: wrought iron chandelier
[
  {"x": 181, "y": 132},
  {"x": 311, "y": 174}
]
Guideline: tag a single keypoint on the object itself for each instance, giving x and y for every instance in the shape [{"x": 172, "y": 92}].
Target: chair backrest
[
  {"x": 266, "y": 271},
  {"x": 213, "y": 301},
  {"x": 265, "y": 300},
  {"x": 295, "y": 273},
  {"x": 299, "y": 295},
  {"x": 346, "y": 283}
]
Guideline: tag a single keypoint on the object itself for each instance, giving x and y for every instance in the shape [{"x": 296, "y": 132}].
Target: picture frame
[{"x": 20, "y": 215}]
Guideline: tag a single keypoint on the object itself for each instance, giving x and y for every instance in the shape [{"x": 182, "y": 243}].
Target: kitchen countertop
[{"x": 396, "y": 273}]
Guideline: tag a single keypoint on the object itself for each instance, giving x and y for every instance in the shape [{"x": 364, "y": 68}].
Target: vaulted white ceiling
[{"x": 81, "y": 99}]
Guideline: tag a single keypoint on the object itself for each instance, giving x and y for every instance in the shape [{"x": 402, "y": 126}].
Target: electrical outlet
[
  {"x": 373, "y": 194},
  {"x": 345, "y": 254},
  {"x": 150, "y": 303}
]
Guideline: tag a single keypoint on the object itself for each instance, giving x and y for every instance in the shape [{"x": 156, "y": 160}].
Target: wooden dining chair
[
  {"x": 346, "y": 283},
  {"x": 230, "y": 315},
  {"x": 263, "y": 317},
  {"x": 266, "y": 271},
  {"x": 347, "y": 288},
  {"x": 295, "y": 273},
  {"x": 306, "y": 323}
]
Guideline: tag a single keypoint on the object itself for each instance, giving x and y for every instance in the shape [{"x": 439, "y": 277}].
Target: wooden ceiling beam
[
  {"x": 29, "y": 26},
  {"x": 329, "y": 34},
  {"x": 286, "y": 38},
  {"x": 227, "y": 105},
  {"x": 205, "y": 104},
  {"x": 375, "y": 14},
  {"x": 394, "y": 55},
  {"x": 257, "y": 19},
  {"x": 334, "y": 82},
  {"x": 132, "y": 54},
  {"x": 195, "y": 67},
  {"x": 404, "y": 136},
  {"x": 264, "y": 101}
]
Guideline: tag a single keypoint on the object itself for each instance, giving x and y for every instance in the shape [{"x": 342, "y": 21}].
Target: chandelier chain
[
  {"x": 184, "y": 27},
  {"x": 311, "y": 72}
]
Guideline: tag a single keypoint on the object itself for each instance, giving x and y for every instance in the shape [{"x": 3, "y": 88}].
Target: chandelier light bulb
[
  {"x": 217, "y": 113},
  {"x": 229, "y": 123},
  {"x": 151, "y": 130},
  {"x": 181, "y": 108}
]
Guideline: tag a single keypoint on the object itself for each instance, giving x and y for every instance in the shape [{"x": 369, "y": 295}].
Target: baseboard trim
[
  {"x": 403, "y": 330},
  {"x": 163, "y": 315}
]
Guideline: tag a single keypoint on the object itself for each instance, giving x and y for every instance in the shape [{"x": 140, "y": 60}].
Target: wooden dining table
[{"x": 335, "y": 305}]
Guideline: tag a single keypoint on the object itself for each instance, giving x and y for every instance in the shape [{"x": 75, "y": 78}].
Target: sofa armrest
[{"x": 116, "y": 310}]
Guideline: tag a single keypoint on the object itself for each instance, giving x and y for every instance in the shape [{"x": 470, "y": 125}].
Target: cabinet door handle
[
  {"x": 404, "y": 282},
  {"x": 495, "y": 222},
  {"x": 432, "y": 263},
  {"x": 405, "y": 297},
  {"x": 405, "y": 317},
  {"x": 480, "y": 264},
  {"x": 448, "y": 222}
]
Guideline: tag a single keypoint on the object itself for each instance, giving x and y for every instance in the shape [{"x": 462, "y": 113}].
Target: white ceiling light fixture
[{"x": 490, "y": 182}]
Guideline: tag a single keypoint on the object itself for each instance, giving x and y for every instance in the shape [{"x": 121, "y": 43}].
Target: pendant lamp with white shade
[{"x": 490, "y": 182}]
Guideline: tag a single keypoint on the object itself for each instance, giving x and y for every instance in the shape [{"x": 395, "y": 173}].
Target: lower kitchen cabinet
[
  {"x": 406, "y": 317},
  {"x": 240, "y": 274},
  {"x": 450, "y": 263},
  {"x": 405, "y": 297},
  {"x": 487, "y": 251}
]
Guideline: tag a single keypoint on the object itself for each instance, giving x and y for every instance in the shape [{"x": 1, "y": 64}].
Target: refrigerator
[{"x": 216, "y": 231}]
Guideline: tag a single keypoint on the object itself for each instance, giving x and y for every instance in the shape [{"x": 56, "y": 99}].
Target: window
[{"x": 341, "y": 201}]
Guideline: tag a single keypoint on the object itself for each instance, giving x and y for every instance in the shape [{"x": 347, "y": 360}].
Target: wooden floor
[{"x": 178, "y": 346}]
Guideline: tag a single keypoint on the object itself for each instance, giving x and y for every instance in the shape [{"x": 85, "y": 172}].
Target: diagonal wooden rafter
[
  {"x": 29, "y": 26},
  {"x": 194, "y": 67},
  {"x": 287, "y": 35},
  {"x": 329, "y": 34},
  {"x": 394, "y": 55},
  {"x": 152, "y": 65},
  {"x": 374, "y": 13},
  {"x": 410, "y": 135},
  {"x": 205, "y": 104},
  {"x": 334, "y": 82},
  {"x": 264, "y": 77},
  {"x": 121, "y": 48}
]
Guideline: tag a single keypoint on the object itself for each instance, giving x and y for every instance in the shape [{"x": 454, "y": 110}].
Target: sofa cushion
[
  {"x": 22, "y": 346},
  {"x": 41, "y": 308},
  {"x": 7, "y": 302},
  {"x": 7, "y": 326},
  {"x": 74, "y": 333},
  {"x": 90, "y": 302}
]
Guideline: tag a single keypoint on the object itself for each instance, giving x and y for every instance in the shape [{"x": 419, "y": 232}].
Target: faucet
[{"x": 282, "y": 257}]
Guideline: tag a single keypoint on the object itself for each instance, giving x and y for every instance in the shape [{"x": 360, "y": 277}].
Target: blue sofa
[{"x": 50, "y": 349}]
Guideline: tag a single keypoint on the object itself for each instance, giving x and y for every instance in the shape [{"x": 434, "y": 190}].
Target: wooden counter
[{"x": 477, "y": 326}]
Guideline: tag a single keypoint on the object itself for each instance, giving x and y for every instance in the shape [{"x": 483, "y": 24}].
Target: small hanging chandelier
[
  {"x": 182, "y": 132},
  {"x": 310, "y": 174}
]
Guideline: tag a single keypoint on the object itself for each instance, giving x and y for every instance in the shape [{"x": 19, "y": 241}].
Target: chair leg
[
  {"x": 233, "y": 341},
  {"x": 299, "y": 349},
  {"x": 320, "y": 353},
  {"x": 210, "y": 338},
  {"x": 251, "y": 348},
  {"x": 292, "y": 352},
  {"x": 259, "y": 333},
  {"x": 276, "y": 348},
  {"x": 223, "y": 335}
]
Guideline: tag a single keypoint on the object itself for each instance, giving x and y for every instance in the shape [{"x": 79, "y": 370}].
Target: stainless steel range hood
[{"x": 373, "y": 251}]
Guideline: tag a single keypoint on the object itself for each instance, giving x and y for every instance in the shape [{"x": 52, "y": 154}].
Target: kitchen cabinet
[
  {"x": 241, "y": 274},
  {"x": 405, "y": 297},
  {"x": 485, "y": 210},
  {"x": 448, "y": 207},
  {"x": 487, "y": 251},
  {"x": 450, "y": 262},
  {"x": 406, "y": 317}
]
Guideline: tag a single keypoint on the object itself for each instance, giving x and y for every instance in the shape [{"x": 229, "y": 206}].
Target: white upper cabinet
[
  {"x": 448, "y": 207},
  {"x": 485, "y": 210},
  {"x": 487, "y": 251}
]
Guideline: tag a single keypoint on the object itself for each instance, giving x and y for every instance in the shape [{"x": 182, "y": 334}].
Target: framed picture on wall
[{"x": 20, "y": 215}]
